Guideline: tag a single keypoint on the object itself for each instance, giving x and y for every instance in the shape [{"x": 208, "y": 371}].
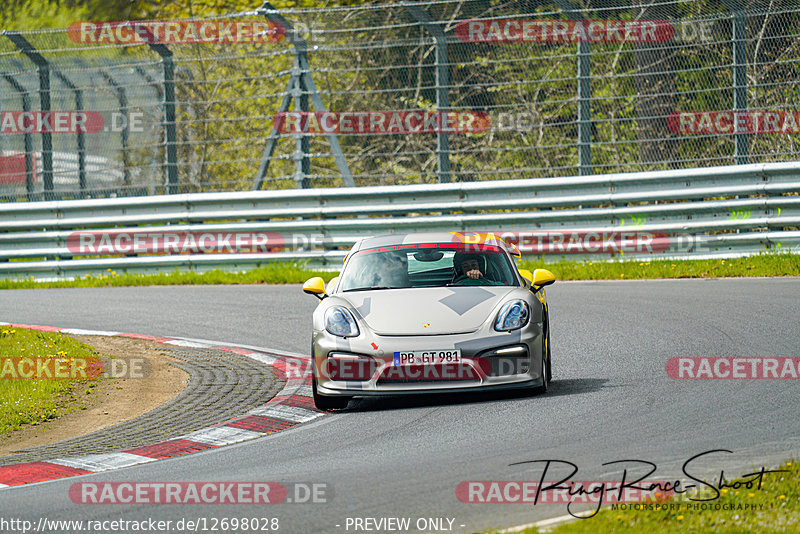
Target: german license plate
[{"x": 427, "y": 357}]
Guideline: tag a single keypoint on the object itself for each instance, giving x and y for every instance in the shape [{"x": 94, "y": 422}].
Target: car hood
[{"x": 426, "y": 311}]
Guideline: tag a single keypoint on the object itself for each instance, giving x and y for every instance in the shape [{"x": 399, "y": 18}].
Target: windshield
[{"x": 427, "y": 265}]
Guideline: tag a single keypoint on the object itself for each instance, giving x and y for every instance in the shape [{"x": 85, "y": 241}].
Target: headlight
[
  {"x": 340, "y": 322},
  {"x": 513, "y": 315}
]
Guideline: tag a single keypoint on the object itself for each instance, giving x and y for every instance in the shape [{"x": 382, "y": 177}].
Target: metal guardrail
[{"x": 694, "y": 213}]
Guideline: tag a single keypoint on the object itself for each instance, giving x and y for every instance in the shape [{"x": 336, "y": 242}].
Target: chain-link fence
[{"x": 415, "y": 92}]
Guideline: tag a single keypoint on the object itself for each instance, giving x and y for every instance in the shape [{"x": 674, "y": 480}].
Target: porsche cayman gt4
[{"x": 423, "y": 313}]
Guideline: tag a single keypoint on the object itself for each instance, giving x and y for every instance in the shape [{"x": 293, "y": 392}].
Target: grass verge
[
  {"x": 297, "y": 273},
  {"x": 758, "y": 265},
  {"x": 278, "y": 273},
  {"x": 775, "y": 508},
  {"x": 32, "y": 401}
]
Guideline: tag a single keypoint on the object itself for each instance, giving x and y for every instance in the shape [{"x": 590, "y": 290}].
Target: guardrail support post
[
  {"x": 43, "y": 68},
  {"x": 442, "y": 86}
]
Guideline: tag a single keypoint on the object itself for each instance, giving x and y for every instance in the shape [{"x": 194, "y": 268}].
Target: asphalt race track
[{"x": 611, "y": 399}]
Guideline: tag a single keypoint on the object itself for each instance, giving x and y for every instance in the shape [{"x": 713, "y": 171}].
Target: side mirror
[
  {"x": 542, "y": 277},
  {"x": 527, "y": 275},
  {"x": 315, "y": 286}
]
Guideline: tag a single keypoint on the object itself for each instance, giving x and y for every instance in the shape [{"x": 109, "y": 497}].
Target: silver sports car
[{"x": 422, "y": 313}]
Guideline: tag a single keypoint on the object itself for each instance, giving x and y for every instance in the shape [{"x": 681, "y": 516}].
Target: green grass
[
  {"x": 758, "y": 265},
  {"x": 779, "y": 495},
  {"x": 278, "y": 273},
  {"x": 27, "y": 401},
  {"x": 296, "y": 273}
]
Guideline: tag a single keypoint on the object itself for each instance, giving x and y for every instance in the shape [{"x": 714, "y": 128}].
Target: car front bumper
[{"x": 490, "y": 360}]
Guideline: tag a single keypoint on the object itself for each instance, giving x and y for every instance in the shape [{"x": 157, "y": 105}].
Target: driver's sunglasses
[{"x": 470, "y": 265}]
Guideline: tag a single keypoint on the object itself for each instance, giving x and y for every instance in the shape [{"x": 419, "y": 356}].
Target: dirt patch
[{"x": 114, "y": 400}]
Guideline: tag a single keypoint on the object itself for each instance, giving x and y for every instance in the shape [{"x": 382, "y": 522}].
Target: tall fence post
[
  {"x": 584, "y": 110},
  {"x": 739, "y": 44},
  {"x": 123, "y": 109},
  {"x": 43, "y": 68},
  {"x": 81, "y": 139},
  {"x": 300, "y": 93},
  {"x": 28, "y": 142},
  {"x": 584, "y": 95},
  {"x": 170, "y": 134},
  {"x": 158, "y": 90},
  {"x": 442, "y": 85}
]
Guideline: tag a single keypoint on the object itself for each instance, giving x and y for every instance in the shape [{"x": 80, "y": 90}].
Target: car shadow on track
[{"x": 556, "y": 388}]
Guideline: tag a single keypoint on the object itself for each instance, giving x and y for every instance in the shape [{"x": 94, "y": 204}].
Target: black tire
[
  {"x": 325, "y": 403},
  {"x": 543, "y": 387},
  {"x": 549, "y": 354}
]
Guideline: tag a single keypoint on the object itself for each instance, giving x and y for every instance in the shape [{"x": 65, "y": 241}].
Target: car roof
[{"x": 431, "y": 237}]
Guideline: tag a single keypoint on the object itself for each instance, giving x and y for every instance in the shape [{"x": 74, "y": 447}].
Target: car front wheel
[
  {"x": 545, "y": 371},
  {"x": 326, "y": 403},
  {"x": 549, "y": 354}
]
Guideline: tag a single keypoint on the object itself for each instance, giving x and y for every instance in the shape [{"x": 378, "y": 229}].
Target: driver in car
[{"x": 469, "y": 269}]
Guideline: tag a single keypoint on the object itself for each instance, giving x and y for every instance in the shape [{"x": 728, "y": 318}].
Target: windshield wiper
[{"x": 367, "y": 288}]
